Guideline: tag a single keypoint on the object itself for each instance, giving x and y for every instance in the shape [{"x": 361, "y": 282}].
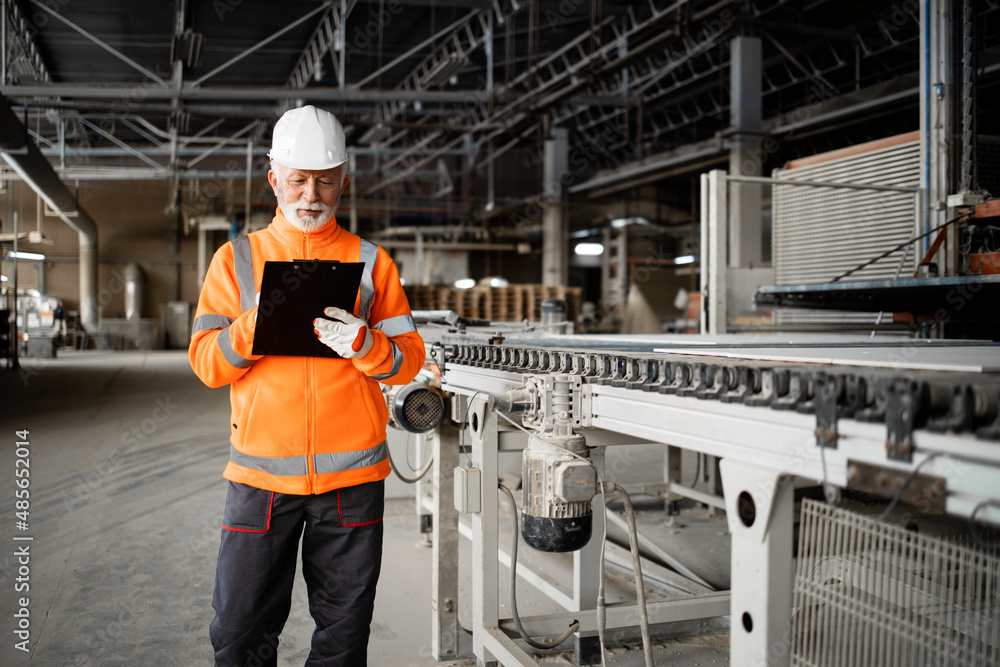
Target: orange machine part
[{"x": 985, "y": 263}]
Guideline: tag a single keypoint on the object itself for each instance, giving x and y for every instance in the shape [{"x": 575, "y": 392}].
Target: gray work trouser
[{"x": 341, "y": 559}]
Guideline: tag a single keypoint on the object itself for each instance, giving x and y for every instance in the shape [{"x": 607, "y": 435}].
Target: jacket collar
[{"x": 291, "y": 236}]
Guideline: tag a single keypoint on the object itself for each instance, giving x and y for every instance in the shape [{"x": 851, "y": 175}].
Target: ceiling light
[
  {"x": 25, "y": 255},
  {"x": 589, "y": 248},
  {"x": 465, "y": 283},
  {"x": 618, "y": 223},
  {"x": 684, "y": 259}
]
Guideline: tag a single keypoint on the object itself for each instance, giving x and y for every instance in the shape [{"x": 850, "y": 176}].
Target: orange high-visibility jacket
[{"x": 303, "y": 425}]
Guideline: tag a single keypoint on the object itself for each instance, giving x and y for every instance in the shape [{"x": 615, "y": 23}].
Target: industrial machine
[
  {"x": 910, "y": 426},
  {"x": 40, "y": 324}
]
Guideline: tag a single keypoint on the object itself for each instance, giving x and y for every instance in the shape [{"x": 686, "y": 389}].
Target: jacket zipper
[{"x": 310, "y": 397}]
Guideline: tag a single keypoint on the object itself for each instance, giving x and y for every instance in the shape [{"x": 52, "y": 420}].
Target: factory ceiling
[{"x": 433, "y": 91}]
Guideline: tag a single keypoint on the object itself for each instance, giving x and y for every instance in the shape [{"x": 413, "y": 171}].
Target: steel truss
[{"x": 648, "y": 79}]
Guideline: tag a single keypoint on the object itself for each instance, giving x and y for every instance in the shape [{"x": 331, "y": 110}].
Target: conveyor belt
[{"x": 943, "y": 386}]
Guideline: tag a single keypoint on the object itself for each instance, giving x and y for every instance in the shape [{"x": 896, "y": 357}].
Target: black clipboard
[{"x": 292, "y": 295}]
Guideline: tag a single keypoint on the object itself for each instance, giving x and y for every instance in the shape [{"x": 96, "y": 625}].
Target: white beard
[{"x": 306, "y": 223}]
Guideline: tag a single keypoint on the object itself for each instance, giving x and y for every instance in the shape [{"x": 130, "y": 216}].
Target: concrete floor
[{"x": 126, "y": 493}]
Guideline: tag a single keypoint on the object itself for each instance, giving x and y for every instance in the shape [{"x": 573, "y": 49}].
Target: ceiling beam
[
  {"x": 231, "y": 150},
  {"x": 221, "y": 144},
  {"x": 652, "y": 168},
  {"x": 324, "y": 40},
  {"x": 456, "y": 25},
  {"x": 470, "y": 4},
  {"x": 264, "y": 42},
  {"x": 21, "y": 34},
  {"x": 118, "y": 142},
  {"x": 96, "y": 40},
  {"x": 234, "y": 93}
]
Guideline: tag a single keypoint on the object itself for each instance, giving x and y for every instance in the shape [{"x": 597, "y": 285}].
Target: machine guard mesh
[{"x": 870, "y": 593}]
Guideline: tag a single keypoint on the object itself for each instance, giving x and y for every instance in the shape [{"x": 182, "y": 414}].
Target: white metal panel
[{"x": 819, "y": 233}]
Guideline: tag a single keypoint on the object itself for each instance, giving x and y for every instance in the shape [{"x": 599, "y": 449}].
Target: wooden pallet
[{"x": 514, "y": 303}]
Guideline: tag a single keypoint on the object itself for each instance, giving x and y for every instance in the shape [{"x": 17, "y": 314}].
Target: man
[{"x": 308, "y": 433}]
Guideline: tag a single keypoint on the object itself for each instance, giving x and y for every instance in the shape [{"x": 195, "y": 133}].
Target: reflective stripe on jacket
[{"x": 303, "y": 425}]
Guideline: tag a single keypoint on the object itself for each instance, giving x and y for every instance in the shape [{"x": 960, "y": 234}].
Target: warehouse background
[{"x": 489, "y": 138}]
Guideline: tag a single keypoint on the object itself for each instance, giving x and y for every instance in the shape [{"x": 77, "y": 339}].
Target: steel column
[
  {"x": 555, "y": 227},
  {"x": 714, "y": 256},
  {"x": 745, "y": 157},
  {"x": 936, "y": 104}
]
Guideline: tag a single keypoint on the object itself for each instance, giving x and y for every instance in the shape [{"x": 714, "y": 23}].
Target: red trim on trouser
[
  {"x": 270, "y": 504},
  {"x": 340, "y": 513}
]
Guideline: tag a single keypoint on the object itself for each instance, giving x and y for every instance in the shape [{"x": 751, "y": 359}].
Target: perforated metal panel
[
  {"x": 869, "y": 593},
  {"x": 418, "y": 408},
  {"x": 819, "y": 233}
]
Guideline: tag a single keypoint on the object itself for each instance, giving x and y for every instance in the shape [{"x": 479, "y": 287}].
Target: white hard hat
[{"x": 308, "y": 138}]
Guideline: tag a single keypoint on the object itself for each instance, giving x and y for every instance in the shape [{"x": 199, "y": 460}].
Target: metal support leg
[
  {"x": 714, "y": 479},
  {"x": 424, "y": 489},
  {"x": 449, "y": 641},
  {"x": 672, "y": 475},
  {"x": 482, "y": 435},
  {"x": 586, "y": 569},
  {"x": 759, "y": 504}
]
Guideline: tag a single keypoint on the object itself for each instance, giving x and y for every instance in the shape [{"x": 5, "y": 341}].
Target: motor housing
[
  {"x": 557, "y": 489},
  {"x": 416, "y": 407}
]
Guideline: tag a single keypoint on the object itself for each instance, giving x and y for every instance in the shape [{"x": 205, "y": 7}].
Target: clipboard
[{"x": 292, "y": 295}]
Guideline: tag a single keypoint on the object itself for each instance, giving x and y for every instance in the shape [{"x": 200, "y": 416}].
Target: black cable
[
  {"x": 697, "y": 471},
  {"x": 420, "y": 474},
  {"x": 437, "y": 344},
  {"x": 574, "y": 626},
  {"x": 461, "y": 422},
  {"x": 407, "y": 452},
  {"x": 900, "y": 247},
  {"x": 906, "y": 483},
  {"x": 972, "y": 525}
]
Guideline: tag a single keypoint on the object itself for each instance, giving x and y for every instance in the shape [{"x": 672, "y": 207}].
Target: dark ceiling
[{"x": 175, "y": 90}]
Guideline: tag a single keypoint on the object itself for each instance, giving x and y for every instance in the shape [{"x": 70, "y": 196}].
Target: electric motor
[
  {"x": 416, "y": 407},
  {"x": 557, "y": 488}
]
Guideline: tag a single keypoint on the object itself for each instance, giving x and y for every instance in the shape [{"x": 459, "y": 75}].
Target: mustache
[{"x": 310, "y": 206}]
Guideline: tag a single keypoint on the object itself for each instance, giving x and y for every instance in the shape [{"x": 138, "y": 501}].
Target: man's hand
[{"x": 345, "y": 334}]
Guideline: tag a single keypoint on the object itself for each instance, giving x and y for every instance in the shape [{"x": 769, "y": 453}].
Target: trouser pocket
[
  {"x": 248, "y": 509},
  {"x": 361, "y": 505}
]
